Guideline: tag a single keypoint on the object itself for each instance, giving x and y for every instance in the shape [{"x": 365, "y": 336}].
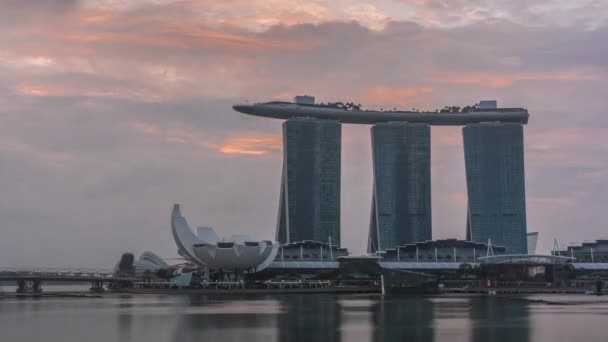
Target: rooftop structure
[
  {"x": 587, "y": 252},
  {"x": 525, "y": 259},
  {"x": 304, "y": 99},
  {"x": 304, "y": 255},
  {"x": 532, "y": 242},
  {"x": 288, "y": 110},
  {"x": 440, "y": 251}
]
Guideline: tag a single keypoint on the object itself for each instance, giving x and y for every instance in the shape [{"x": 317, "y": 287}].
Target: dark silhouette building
[
  {"x": 309, "y": 206},
  {"x": 494, "y": 160},
  {"x": 401, "y": 196}
]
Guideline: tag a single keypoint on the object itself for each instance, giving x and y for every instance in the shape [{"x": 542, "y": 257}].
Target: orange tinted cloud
[
  {"x": 458, "y": 198},
  {"x": 88, "y": 91},
  {"x": 96, "y": 15},
  {"x": 252, "y": 145},
  {"x": 91, "y": 26},
  {"x": 557, "y": 201},
  {"x": 404, "y": 97},
  {"x": 447, "y": 138},
  {"x": 146, "y": 128},
  {"x": 40, "y": 90},
  {"x": 367, "y": 15}
]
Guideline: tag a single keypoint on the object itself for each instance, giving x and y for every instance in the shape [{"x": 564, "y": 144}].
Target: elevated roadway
[{"x": 31, "y": 279}]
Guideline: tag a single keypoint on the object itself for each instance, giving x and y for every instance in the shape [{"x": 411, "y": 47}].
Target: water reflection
[
  {"x": 331, "y": 318},
  {"x": 237, "y": 319},
  {"x": 496, "y": 320},
  {"x": 398, "y": 318},
  {"x": 125, "y": 322},
  {"x": 304, "y": 319},
  {"x": 299, "y": 318}
]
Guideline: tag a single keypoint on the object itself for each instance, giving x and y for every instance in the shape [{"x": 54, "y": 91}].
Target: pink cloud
[
  {"x": 458, "y": 198},
  {"x": 246, "y": 143},
  {"x": 49, "y": 158},
  {"x": 146, "y": 128},
  {"x": 503, "y": 80},
  {"x": 403, "y": 96}
]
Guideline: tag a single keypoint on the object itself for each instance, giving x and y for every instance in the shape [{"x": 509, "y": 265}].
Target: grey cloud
[{"x": 17, "y": 12}]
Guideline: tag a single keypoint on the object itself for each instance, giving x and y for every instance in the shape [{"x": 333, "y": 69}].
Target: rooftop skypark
[{"x": 351, "y": 113}]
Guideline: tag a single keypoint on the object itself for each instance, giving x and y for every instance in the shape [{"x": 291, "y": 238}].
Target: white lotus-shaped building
[{"x": 206, "y": 249}]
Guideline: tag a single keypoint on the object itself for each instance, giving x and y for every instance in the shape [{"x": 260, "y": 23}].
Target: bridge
[{"x": 31, "y": 279}]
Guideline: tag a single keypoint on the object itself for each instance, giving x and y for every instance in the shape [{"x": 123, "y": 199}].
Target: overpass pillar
[
  {"x": 97, "y": 286},
  {"x": 29, "y": 286}
]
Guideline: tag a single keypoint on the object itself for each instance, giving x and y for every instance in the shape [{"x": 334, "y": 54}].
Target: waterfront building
[
  {"x": 401, "y": 195},
  {"x": 587, "y": 252},
  {"x": 447, "y": 251},
  {"x": 532, "y": 242},
  {"x": 401, "y": 211},
  {"x": 303, "y": 259},
  {"x": 147, "y": 262},
  {"x": 184, "y": 237},
  {"x": 309, "y": 251},
  {"x": 309, "y": 207},
  {"x": 494, "y": 161}
]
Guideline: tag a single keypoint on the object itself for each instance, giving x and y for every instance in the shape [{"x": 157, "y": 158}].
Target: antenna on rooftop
[
  {"x": 556, "y": 251},
  {"x": 331, "y": 252},
  {"x": 490, "y": 250}
]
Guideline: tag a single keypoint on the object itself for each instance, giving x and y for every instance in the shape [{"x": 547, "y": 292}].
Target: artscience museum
[{"x": 238, "y": 253}]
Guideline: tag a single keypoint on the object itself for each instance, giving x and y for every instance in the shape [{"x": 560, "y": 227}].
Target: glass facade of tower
[
  {"x": 401, "y": 197},
  {"x": 309, "y": 206},
  {"x": 494, "y": 160}
]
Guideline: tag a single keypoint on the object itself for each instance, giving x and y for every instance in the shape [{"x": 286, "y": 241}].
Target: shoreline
[{"x": 499, "y": 293}]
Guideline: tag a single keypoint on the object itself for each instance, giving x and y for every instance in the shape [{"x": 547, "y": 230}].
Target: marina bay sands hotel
[{"x": 309, "y": 206}]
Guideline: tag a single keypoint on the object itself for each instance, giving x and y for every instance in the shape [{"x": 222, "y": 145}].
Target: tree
[
  {"x": 472, "y": 108},
  {"x": 163, "y": 273},
  {"x": 465, "y": 268}
]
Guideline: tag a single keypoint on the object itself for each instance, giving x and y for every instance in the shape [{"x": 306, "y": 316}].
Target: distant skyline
[{"x": 111, "y": 111}]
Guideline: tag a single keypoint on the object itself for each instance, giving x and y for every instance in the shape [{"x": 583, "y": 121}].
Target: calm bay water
[{"x": 302, "y": 318}]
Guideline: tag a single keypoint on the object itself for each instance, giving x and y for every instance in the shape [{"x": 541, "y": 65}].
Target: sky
[{"x": 113, "y": 110}]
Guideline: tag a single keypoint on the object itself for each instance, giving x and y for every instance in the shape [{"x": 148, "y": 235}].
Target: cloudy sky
[{"x": 113, "y": 110}]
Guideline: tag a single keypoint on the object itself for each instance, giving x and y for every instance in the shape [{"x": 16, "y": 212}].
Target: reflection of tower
[
  {"x": 204, "y": 318},
  {"x": 499, "y": 320},
  {"x": 494, "y": 159},
  {"x": 309, "y": 318},
  {"x": 401, "y": 197},
  {"x": 125, "y": 322},
  {"x": 403, "y": 319},
  {"x": 309, "y": 206}
]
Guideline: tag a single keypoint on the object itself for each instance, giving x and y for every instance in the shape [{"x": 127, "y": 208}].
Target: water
[{"x": 302, "y": 318}]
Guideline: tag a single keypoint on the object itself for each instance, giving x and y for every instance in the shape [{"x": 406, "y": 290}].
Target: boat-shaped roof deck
[{"x": 289, "y": 110}]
